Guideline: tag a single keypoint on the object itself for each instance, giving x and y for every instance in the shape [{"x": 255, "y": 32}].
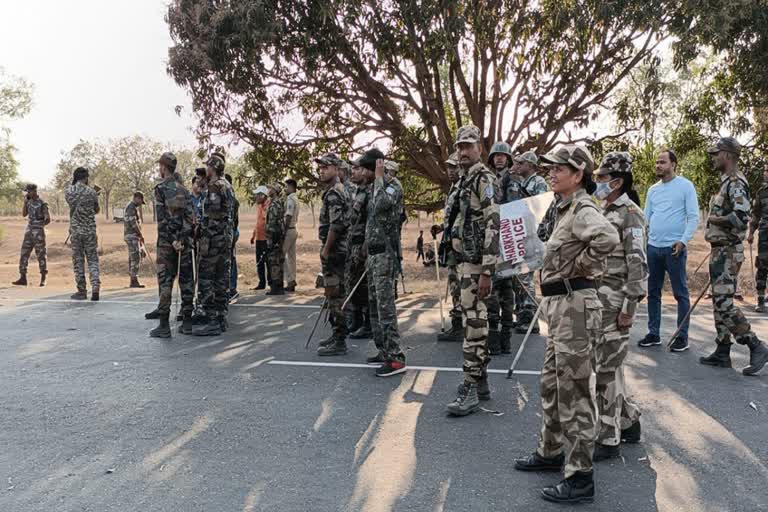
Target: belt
[{"x": 567, "y": 286}]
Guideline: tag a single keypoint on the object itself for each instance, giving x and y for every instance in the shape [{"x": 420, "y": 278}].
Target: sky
[{"x": 99, "y": 72}]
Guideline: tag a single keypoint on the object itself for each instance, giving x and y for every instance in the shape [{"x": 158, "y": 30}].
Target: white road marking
[{"x": 319, "y": 364}]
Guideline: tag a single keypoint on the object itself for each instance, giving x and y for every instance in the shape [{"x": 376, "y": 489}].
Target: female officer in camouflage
[
  {"x": 575, "y": 258},
  {"x": 624, "y": 284}
]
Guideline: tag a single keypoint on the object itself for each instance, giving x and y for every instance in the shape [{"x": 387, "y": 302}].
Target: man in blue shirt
[{"x": 672, "y": 212}]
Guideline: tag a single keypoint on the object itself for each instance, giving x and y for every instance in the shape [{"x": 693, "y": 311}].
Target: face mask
[{"x": 603, "y": 190}]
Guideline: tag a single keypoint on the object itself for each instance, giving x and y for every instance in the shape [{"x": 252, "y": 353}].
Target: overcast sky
[{"x": 98, "y": 67}]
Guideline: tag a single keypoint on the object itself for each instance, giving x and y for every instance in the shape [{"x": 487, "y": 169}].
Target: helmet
[{"x": 500, "y": 147}]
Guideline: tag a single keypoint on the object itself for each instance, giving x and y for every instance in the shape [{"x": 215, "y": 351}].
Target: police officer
[
  {"x": 447, "y": 256},
  {"x": 475, "y": 238},
  {"x": 83, "y": 204},
  {"x": 359, "y": 321},
  {"x": 36, "y": 212},
  {"x": 725, "y": 231},
  {"x": 574, "y": 259},
  {"x": 275, "y": 239},
  {"x": 133, "y": 237},
  {"x": 759, "y": 223},
  {"x": 232, "y": 293},
  {"x": 332, "y": 232},
  {"x": 175, "y": 221},
  {"x": 623, "y": 286},
  {"x": 289, "y": 245}
]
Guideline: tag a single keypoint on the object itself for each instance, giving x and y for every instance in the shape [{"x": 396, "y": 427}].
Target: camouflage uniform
[
  {"x": 454, "y": 282},
  {"x": 760, "y": 224},
  {"x": 475, "y": 239},
  {"x": 36, "y": 211},
  {"x": 216, "y": 248},
  {"x": 382, "y": 234},
  {"x": 275, "y": 238},
  {"x": 289, "y": 245},
  {"x": 578, "y": 247},
  {"x": 356, "y": 259},
  {"x": 624, "y": 284},
  {"x": 83, "y": 204},
  {"x": 175, "y": 217},
  {"x": 333, "y": 217},
  {"x": 131, "y": 223}
]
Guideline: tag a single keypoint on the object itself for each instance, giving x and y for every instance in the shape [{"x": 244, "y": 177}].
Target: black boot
[
  {"x": 760, "y": 308},
  {"x": 505, "y": 341},
  {"x": 135, "y": 283},
  {"x": 535, "y": 462},
  {"x": 575, "y": 489},
  {"x": 483, "y": 390},
  {"x": 456, "y": 333},
  {"x": 364, "y": 332},
  {"x": 80, "y": 295},
  {"x": 153, "y": 315},
  {"x": 354, "y": 318},
  {"x": 211, "y": 328},
  {"x": 605, "y": 452},
  {"x": 631, "y": 434},
  {"x": 186, "y": 325},
  {"x": 720, "y": 357},
  {"x": 758, "y": 357},
  {"x": 95, "y": 295},
  {"x": 494, "y": 343},
  {"x": 291, "y": 287},
  {"x": 43, "y": 278},
  {"x": 337, "y": 347},
  {"x": 163, "y": 330},
  {"x": 21, "y": 281}
]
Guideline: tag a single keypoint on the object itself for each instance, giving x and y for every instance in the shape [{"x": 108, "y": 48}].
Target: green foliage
[{"x": 15, "y": 103}]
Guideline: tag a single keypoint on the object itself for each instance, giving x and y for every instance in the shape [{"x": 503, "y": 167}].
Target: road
[{"x": 97, "y": 416}]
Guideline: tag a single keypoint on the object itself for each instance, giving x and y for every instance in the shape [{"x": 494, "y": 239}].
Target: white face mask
[{"x": 603, "y": 190}]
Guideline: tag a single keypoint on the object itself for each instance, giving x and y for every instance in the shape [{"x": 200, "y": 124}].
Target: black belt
[{"x": 566, "y": 286}]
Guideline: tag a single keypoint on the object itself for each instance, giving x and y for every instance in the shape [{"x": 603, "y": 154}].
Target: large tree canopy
[{"x": 292, "y": 74}]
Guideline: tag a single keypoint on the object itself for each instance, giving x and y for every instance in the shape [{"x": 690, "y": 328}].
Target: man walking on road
[{"x": 672, "y": 214}]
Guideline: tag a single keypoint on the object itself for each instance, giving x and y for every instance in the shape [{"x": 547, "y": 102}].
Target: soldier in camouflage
[
  {"x": 332, "y": 232},
  {"x": 759, "y": 223},
  {"x": 275, "y": 239},
  {"x": 232, "y": 292},
  {"x": 215, "y": 249},
  {"x": 175, "y": 220},
  {"x": 382, "y": 239},
  {"x": 83, "y": 204},
  {"x": 573, "y": 263},
  {"x": 36, "y": 212},
  {"x": 446, "y": 254},
  {"x": 623, "y": 286},
  {"x": 475, "y": 239},
  {"x": 133, "y": 237},
  {"x": 725, "y": 231},
  {"x": 359, "y": 321}
]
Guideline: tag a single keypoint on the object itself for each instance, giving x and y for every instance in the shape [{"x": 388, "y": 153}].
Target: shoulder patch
[{"x": 637, "y": 232}]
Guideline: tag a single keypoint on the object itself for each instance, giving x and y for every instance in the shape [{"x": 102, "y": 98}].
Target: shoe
[
  {"x": 605, "y": 452},
  {"x": 720, "y": 357},
  {"x": 212, "y": 328},
  {"x": 483, "y": 390},
  {"x": 760, "y": 308},
  {"x": 339, "y": 348},
  {"x": 186, "y": 326},
  {"x": 494, "y": 343},
  {"x": 330, "y": 340},
  {"x": 390, "y": 368},
  {"x": 758, "y": 357},
  {"x": 153, "y": 315},
  {"x": 631, "y": 434},
  {"x": 466, "y": 401},
  {"x": 80, "y": 295},
  {"x": 378, "y": 359},
  {"x": 579, "y": 488},
  {"x": 43, "y": 278},
  {"x": 163, "y": 330},
  {"x": 535, "y": 462},
  {"x": 679, "y": 345},
  {"x": 650, "y": 340},
  {"x": 135, "y": 283},
  {"x": 506, "y": 342},
  {"x": 354, "y": 318},
  {"x": 21, "y": 281},
  {"x": 95, "y": 296}
]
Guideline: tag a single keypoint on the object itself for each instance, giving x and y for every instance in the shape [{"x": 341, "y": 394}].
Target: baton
[
  {"x": 67, "y": 240},
  {"x": 317, "y": 321},
  {"x": 511, "y": 370},
  {"x": 679, "y": 327},
  {"x": 527, "y": 291},
  {"x": 354, "y": 290},
  {"x": 178, "y": 278},
  {"x": 439, "y": 298}
]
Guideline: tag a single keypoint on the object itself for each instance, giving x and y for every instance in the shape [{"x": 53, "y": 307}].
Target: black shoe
[
  {"x": 760, "y": 308},
  {"x": 21, "y": 281},
  {"x": 631, "y": 435},
  {"x": 579, "y": 488},
  {"x": 186, "y": 326},
  {"x": 43, "y": 278},
  {"x": 535, "y": 462},
  {"x": 80, "y": 295},
  {"x": 758, "y": 357},
  {"x": 483, "y": 390},
  {"x": 95, "y": 296},
  {"x": 330, "y": 340},
  {"x": 390, "y": 368},
  {"x": 163, "y": 330},
  {"x": 494, "y": 343},
  {"x": 456, "y": 332},
  {"x": 378, "y": 359},
  {"x": 135, "y": 283},
  {"x": 212, "y": 328},
  {"x": 720, "y": 357},
  {"x": 679, "y": 345},
  {"x": 650, "y": 340},
  {"x": 153, "y": 315},
  {"x": 338, "y": 348},
  {"x": 506, "y": 342},
  {"x": 605, "y": 452}
]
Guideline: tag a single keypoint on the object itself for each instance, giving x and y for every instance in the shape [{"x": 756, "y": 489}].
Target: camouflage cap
[
  {"x": 469, "y": 134},
  {"x": 528, "y": 157},
  {"x": 216, "y": 161},
  {"x": 329, "y": 159},
  {"x": 615, "y": 161},
  {"x": 168, "y": 159},
  {"x": 391, "y": 166},
  {"x": 261, "y": 189},
  {"x": 575, "y": 155},
  {"x": 727, "y": 144},
  {"x": 453, "y": 160}
]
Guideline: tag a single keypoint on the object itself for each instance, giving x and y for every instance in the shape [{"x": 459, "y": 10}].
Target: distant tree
[{"x": 15, "y": 103}]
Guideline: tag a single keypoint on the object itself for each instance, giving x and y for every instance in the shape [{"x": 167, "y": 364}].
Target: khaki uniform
[
  {"x": 289, "y": 245},
  {"x": 578, "y": 247},
  {"x": 624, "y": 284}
]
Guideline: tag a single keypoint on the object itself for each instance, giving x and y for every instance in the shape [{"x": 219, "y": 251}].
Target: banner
[{"x": 519, "y": 245}]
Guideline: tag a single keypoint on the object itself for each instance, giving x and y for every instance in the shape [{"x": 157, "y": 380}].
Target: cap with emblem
[
  {"x": 529, "y": 157},
  {"x": 727, "y": 144},
  {"x": 261, "y": 189},
  {"x": 453, "y": 160},
  {"x": 574, "y": 155},
  {"x": 328, "y": 159},
  {"x": 469, "y": 134},
  {"x": 615, "y": 161},
  {"x": 168, "y": 159}
]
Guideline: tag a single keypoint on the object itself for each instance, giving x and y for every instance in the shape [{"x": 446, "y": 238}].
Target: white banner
[{"x": 519, "y": 245}]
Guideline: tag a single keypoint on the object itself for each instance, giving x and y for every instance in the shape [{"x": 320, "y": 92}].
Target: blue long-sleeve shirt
[{"x": 672, "y": 212}]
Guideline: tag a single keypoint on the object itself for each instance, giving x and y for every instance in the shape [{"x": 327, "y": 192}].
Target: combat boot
[
  {"x": 336, "y": 348},
  {"x": 631, "y": 434},
  {"x": 760, "y": 308},
  {"x": 578, "y": 488},
  {"x": 758, "y": 356},
  {"x": 95, "y": 295},
  {"x": 210, "y": 328},
  {"x": 535, "y": 462},
  {"x": 153, "y": 315},
  {"x": 720, "y": 357},
  {"x": 483, "y": 390},
  {"x": 364, "y": 331},
  {"x": 80, "y": 295},
  {"x": 135, "y": 283},
  {"x": 163, "y": 330},
  {"x": 605, "y": 452},
  {"x": 21, "y": 281},
  {"x": 327, "y": 341},
  {"x": 354, "y": 318},
  {"x": 186, "y": 325},
  {"x": 494, "y": 343},
  {"x": 466, "y": 401},
  {"x": 505, "y": 341},
  {"x": 43, "y": 278},
  {"x": 456, "y": 333}
]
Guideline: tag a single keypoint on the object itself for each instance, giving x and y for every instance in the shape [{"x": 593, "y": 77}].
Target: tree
[
  {"x": 15, "y": 103},
  {"x": 288, "y": 76}
]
